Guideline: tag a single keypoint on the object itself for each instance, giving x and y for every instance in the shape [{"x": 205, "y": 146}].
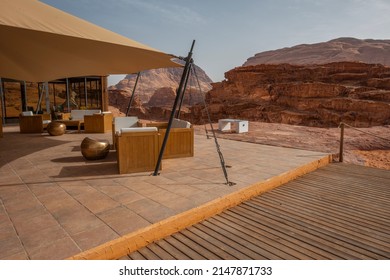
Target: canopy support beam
[
  {"x": 177, "y": 99},
  {"x": 184, "y": 90},
  {"x": 132, "y": 94},
  {"x": 2, "y": 101}
]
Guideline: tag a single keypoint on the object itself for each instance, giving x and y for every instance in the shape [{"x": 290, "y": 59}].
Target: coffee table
[{"x": 77, "y": 123}]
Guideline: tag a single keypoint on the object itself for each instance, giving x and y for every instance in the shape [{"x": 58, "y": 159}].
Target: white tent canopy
[{"x": 41, "y": 43}]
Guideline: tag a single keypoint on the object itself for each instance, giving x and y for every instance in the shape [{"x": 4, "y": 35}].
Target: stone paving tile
[
  {"x": 181, "y": 189},
  {"x": 25, "y": 227},
  {"x": 10, "y": 247},
  {"x": 181, "y": 204},
  {"x": 22, "y": 255},
  {"x": 143, "y": 188},
  {"x": 96, "y": 201},
  {"x": 123, "y": 220},
  {"x": 127, "y": 197},
  {"x": 40, "y": 238},
  {"x": 78, "y": 189},
  {"x": 44, "y": 188},
  {"x": 150, "y": 210},
  {"x": 9, "y": 178},
  {"x": 56, "y": 250},
  {"x": 11, "y": 193},
  {"x": 25, "y": 209},
  {"x": 95, "y": 236}
]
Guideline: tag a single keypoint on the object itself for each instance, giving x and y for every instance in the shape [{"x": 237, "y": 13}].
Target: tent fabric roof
[{"x": 41, "y": 43}]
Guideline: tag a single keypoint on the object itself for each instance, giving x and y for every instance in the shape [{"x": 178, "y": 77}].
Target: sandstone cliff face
[
  {"x": 152, "y": 80},
  {"x": 341, "y": 49},
  {"x": 313, "y": 95},
  {"x": 156, "y": 91}
]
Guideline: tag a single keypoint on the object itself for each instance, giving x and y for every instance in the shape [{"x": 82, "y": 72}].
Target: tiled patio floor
[{"x": 55, "y": 204}]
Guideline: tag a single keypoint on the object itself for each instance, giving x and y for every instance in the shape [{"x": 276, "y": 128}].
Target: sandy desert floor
[{"x": 365, "y": 146}]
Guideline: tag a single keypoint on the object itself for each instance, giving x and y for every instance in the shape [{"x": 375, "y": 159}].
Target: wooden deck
[{"x": 337, "y": 212}]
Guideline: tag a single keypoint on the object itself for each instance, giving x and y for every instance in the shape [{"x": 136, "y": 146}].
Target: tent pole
[
  {"x": 184, "y": 91},
  {"x": 47, "y": 97},
  {"x": 86, "y": 92},
  {"x": 67, "y": 95},
  {"x": 132, "y": 94},
  {"x": 23, "y": 95},
  {"x": 2, "y": 102},
  {"x": 40, "y": 93},
  {"x": 179, "y": 90}
]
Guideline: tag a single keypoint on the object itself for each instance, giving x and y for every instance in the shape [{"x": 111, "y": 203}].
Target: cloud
[{"x": 168, "y": 11}]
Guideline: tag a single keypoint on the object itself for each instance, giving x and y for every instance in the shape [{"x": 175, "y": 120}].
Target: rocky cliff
[
  {"x": 341, "y": 49},
  {"x": 314, "y": 95},
  {"x": 157, "y": 88}
]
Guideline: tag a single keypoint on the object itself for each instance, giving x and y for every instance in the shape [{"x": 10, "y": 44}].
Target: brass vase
[
  {"x": 56, "y": 128},
  {"x": 93, "y": 149}
]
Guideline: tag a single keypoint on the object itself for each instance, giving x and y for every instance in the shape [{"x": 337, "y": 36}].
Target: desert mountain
[
  {"x": 312, "y": 95},
  {"x": 343, "y": 80},
  {"x": 156, "y": 90},
  {"x": 341, "y": 49}
]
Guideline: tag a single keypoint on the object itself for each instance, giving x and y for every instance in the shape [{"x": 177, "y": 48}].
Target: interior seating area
[{"x": 33, "y": 123}]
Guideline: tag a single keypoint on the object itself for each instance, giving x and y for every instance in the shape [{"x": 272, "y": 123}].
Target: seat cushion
[
  {"x": 27, "y": 113},
  {"x": 125, "y": 122},
  {"x": 138, "y": 129},
  {"x": 176, "y": 123}
]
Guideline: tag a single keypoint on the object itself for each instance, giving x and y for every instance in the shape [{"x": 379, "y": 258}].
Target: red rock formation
[
  {"x": 164, "y": 96},
  {"x": 152, "y": 80},
  {"x": 119, "y": 101},
  {"x": 314, "y": 95},
  {"x": 341, "y": 49}
]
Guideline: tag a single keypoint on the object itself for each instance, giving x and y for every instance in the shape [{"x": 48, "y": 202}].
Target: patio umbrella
[{"x": 41, "y": 43}]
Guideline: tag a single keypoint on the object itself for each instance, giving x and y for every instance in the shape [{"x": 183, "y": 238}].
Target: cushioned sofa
[{"x": 180, "y": 141}]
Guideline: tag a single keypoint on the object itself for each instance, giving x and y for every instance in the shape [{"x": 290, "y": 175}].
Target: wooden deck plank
[
  {"x": 266, "y": 234},
  {"x": 199, "y": 245},
  {"x": 362, "y": 245},
  {"x": 241, "y": 240},
  {"x": 179, "y": 246},
  {"x": 304, "y": 234},
  {"x": 337, "y": 212},
  {"x": 243, "y": 243},
  {"x": 211, "y": 243},
  {"x": 173, "y": 250},
  {"x": 220, "y": 240},
  {"x": 358, "y": 191},
  {"x": 136, "y": 256},
  {"x": 321, "y": 208},
  {"x": 355, "y": 201},
  {"x": 160, "y": 252},
  {"x": 148, "y": 254}
]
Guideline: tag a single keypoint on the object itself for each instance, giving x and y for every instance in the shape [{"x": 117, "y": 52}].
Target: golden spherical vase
[
  {"x": 56, "y": 128},
  {"x": 92, "y": 149}
]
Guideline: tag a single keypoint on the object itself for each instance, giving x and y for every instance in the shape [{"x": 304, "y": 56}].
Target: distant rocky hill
[
  {"x": 323, "y": 84},
  {"x": 312, "y": 95},
  {"x": 157, "y": 88},
  {"x": 341, "y": 49}
]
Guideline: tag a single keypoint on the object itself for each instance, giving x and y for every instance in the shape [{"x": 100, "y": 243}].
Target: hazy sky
[{"x": 227, "y": 32}]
